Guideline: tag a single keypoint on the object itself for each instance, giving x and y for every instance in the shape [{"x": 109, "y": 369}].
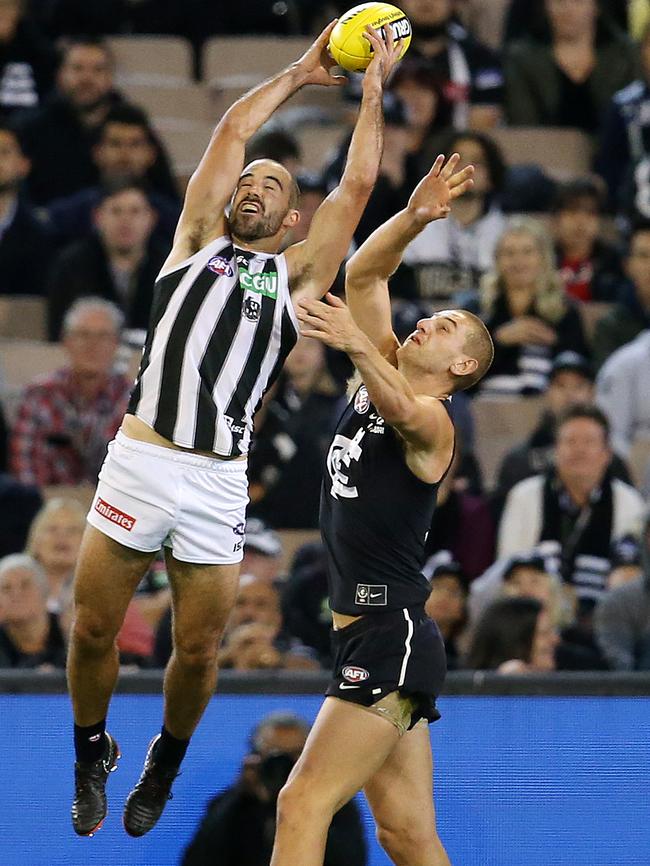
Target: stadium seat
[
  {"x": 486, "y": 21},
  {"x": 500, "y": 424},
  {"x": 185, "y": 140},
  {"x": 244, "y": 61},
  {"x": 20, "y": 362},
  {"x": 22, "y": 317},
  {"x": 562, "y": 153},
  {"x": 152, "y": 59},
  {"x": 318, "y": 142},
  {"x": 179, "y": 101}
]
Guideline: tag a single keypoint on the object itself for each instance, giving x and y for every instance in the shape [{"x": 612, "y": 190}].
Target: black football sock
[
  {"x": 90, "y": 742},
  {"x": 169, "y": 750}
]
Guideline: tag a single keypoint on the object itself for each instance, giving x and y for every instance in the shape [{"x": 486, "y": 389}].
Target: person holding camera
[{"x": 239, "y": 823}]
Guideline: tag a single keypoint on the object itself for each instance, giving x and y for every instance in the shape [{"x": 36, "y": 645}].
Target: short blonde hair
[
  {"x": 550, "y": 300},
  {"x": 50, "y": 508}
]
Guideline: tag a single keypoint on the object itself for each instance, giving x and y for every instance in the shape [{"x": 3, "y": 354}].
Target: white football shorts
[{"x": 149, "y": 496}]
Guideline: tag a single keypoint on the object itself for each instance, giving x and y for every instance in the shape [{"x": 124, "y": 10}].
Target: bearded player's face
[{"x": 261, "y": 201}]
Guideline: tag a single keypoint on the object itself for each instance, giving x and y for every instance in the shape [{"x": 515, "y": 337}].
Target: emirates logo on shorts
[
  {"x": 113, "y": 514},
  {"x": 353, "y": 674}
]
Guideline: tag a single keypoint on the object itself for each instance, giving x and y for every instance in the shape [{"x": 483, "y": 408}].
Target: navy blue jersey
[{"x": 375, "y": 516}]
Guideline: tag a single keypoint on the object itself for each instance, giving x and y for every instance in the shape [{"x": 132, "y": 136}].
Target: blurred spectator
[
  {"x": 527, "y": 311},
  {"x": 238, "y": 826},
  {"x": 18, "y": 505},
  {"x": 119, "y": 261},
  {"x": 65, "y": 17},
  {"x": 589, "y": 267},
  {"x": 313, "y": 191},
  {"x": 255, "y": 637},
  {"x": 66, "y": 419},
  {"x": 623, "y": 393},
  {"x": 573, "y": 512},
  {"x": 526, "y": 577},
  {"x": 473, "y": 80},
  {"x": 286, "y": 462},
  {"x": 447, "y": 605},
  {"x": 54, "y": 540},
  {"x": 462, "y": 525},
  {"x": 571, "y": 381},
  {"x": 428, "y": 111},
  {"x": 622, "y": 618},
  {"x": 278, "y": 144},
  {"x": 631, "y": 315},
  {"x": 305, "y": 600},
  {"x": 27, "y": 60},
  {"x": 567, "y": 77},
  {"x": 125, "y": 152},
  {"x": 30, "y": 637},
  {"x": 451, "y": 255},
  {"x": 623, "y": 158},
  {"x": 625, "y": 559},
  {"x": 24, "y": 242},
  {"x": 513, "y": 636},
  {"x": 262, "y": 551},
  {"x": 398, "y": 171},
  {"x": 59, "y": 136}
]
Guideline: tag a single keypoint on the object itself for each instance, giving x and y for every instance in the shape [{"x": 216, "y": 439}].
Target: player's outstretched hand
[
  {"x": 384, "y": 56},
  {"x": 317, "y": 63},
  {"x": 431, "y": 198},
  {"x": 330, "y": 322}
]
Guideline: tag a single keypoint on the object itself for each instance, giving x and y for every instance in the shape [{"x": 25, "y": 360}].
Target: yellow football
[{"x": 349, "y": 47}]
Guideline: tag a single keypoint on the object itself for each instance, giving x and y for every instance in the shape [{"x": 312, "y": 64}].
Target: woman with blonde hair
[
  {"x": 530, "y": 318},
  {"x": 53, "y": 541}
]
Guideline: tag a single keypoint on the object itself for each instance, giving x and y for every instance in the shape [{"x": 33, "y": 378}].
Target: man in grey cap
[
  {"x": 571, "y": 381},
  {"x": 622, "y": 618}
]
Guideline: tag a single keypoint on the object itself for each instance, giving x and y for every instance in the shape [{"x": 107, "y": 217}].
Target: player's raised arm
[
  {"x": 314, "y": 262},
  {"x": 369, "y": 269},
  {"x": 211, "y": 186}
]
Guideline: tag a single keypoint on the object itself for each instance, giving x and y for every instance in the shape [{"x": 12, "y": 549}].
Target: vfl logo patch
[
  {"x": 362, "y": 401},
  {"x": 251, "y": 308},
  {"x": 354, "y": 674},
  {"x": 121, "y": 518},
  {"x": 221, "y": 266},
  {"x": 372, "y": 594}
]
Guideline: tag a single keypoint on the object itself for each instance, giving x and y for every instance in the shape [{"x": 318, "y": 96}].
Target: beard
[
  {"x": 253, "y": 227},
  {"x": 11, "y": 185}
]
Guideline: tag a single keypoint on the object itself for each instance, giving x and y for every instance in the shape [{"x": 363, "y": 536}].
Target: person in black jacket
[
  {"x": 24, "y": 242},
  {"x": 27, "y": 60},
  {"x": 59, "y": 136},
  {"x": 118, "y": 262},
  {"x": 239, "y": 824}
]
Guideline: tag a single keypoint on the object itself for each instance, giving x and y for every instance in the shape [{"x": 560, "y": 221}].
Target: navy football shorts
[{"x": 397, "y": 651}]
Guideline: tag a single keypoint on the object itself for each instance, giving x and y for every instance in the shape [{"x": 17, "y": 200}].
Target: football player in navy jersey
[{"x": 392, "y": 447}]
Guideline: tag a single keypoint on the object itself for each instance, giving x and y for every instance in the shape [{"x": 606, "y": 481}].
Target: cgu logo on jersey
[
  {"x": 354, "y": 674},
  {"x": 221, "y": 266},
  {"x": 342, "y": 452},
  {"x": 263, "y": 284}
]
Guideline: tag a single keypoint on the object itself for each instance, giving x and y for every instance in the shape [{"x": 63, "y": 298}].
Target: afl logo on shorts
[
  {"x": 251, "y": 308},
  {"x": 361, "y": 401},
  {"x": 353, "y": 674},
  {"x": 221, "y": 266}
]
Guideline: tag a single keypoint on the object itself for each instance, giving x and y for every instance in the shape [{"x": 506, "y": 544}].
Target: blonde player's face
[{"x": 437, "y": 342}]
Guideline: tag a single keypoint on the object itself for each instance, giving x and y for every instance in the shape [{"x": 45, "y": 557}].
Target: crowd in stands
[{"x": 538, "y": 559}]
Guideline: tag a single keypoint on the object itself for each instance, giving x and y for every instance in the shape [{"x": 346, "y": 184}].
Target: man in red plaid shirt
[{"x": 67, "y": 418}]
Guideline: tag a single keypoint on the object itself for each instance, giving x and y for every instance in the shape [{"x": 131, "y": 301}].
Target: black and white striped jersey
[{"x": 222, "y": 324}]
